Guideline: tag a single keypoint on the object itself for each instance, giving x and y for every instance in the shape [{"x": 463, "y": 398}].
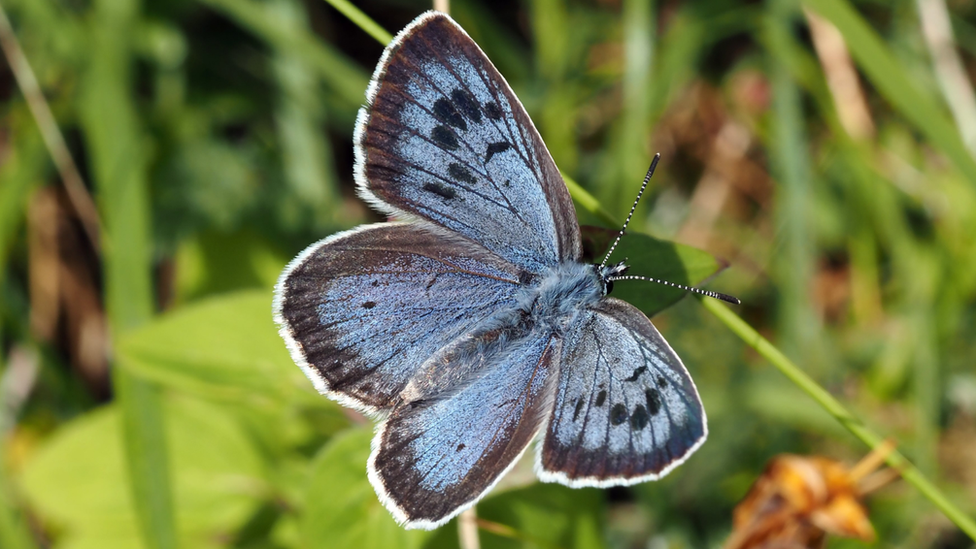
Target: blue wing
[
  {"x": 444, "y": 138},
  {"x": 362, "y": 310},
  {"x": 443, "y": 449},
  {"x": 626, "y": 410}
]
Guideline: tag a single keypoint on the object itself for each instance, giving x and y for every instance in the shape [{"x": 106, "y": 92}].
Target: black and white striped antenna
[{"x": 716, "y": 295}]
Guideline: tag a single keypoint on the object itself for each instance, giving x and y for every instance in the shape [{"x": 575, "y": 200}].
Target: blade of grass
[
  {"x": 884, "y": 71},
  {"x": 339, "y": 73},
  {"x": 948, "y": 67},
  {"x": 116, "y": 144},
  {"x": 77, "y": 193},
  {"x": 20, "y": 173},
  {"x": 854, "y": 425},
  {"x": 306, "y": 154},
  {"x": 628, "y": 155},
  {"x": 787, "y": 144},
  {"x": 589, "y": 202},
  {"x": 362, "y": 20}
]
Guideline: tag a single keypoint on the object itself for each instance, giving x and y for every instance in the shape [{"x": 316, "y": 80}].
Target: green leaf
[
  {"x": 20, "y": 172},
  {"x": 341, "y": 508},
  {"x": 118, "y": 157},
  {"x": 217, "y": 478},
  {"x": 648, "y": 256},
  {"x": 225, "y": 347}
]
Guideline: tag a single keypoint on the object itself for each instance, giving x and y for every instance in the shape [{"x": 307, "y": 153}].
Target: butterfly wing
[
  {"x": 362, "y": 310},
  {"x": 444, "y": 138},
  {"x": 626, "y": 410},
  {"x": 437, "y": 454}
]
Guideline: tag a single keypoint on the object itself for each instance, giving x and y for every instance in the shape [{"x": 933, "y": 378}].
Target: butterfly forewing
[
  {"x": 363, "y": 310},
  {"x": 444, "y": 138},
  {"x": 626, "y": 409}
]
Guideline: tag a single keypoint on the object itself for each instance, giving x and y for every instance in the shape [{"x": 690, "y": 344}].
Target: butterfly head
[{"x": 608, "y": 272}]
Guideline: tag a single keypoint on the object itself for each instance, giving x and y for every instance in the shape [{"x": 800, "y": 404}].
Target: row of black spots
[
  {"x": 637, "y": 373},
  {"x": 440, "y": 190},
  {"x": 654, "y": 402},
  {"x": 446, "y": 113},
  {"x": 459, "y": 173},
  {"x": 638, "y": 420},
  {"x": 461, "y": 107},
  {"x": 579, "y": 407},
  {"x": 444, "y": 138},
  {"x": 493, "y": 111},
  {"x": 467, "y": 104},
  {"x": 496, "y": 148}
]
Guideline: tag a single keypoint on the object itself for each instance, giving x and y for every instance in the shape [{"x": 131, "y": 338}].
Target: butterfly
[{"x": 469, "y": 326}]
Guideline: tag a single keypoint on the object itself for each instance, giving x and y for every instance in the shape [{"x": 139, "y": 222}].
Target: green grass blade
[
  {"x": 306, "y": 154},
  {"x": 895, "y": 459},
  {"x": 362, "y": 21},
  {"x": 891, "y": 79},
  {"x": 339, "y": 73},
  {"x": 116, "y": 145},
  {"x": 788, "y": 146},
  {"x": 589, "y": 203}
]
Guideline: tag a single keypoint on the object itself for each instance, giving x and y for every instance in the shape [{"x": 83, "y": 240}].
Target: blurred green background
[{"x": 825, "y": 149}]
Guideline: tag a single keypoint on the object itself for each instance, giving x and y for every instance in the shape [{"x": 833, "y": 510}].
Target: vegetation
[{"x": 824, "y": 149}]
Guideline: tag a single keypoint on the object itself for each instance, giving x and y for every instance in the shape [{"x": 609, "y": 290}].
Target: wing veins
[{"x": 451, "y": 70}]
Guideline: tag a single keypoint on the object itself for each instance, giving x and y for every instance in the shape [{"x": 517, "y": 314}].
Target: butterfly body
[{"x": 469, "y": 325}]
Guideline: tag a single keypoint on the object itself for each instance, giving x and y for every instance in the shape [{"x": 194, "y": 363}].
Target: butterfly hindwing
[
  {"x": 362, "y": 310},
  {"x": 439, "y": 452},
  {"x": 444, "y": 138},
  {"x": 626, "y": 410}
]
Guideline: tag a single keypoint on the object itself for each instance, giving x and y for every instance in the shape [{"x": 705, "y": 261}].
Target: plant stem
[
  {"x": 362, "y": 20},
  {"x": 895, "y": 459}
]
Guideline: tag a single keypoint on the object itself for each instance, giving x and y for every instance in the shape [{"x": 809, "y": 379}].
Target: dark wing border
[{"x": 632, "y": 319}]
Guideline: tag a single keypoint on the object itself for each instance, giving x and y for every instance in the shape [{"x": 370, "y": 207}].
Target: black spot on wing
[
  {"x": 618, "y": 414},
  {"x": 640, "y": 418},
  {"x": 440, "y": 190},
  {"x": 460, "y": 173},
  {"x": 601, "y": 397},
  {"x": 495, "y": 148},
  {"x": 447, "y": 113},
  {"x": 460, "y": 447},
  {"x": 493, "y": 111},
  {"x": 579, "y": 406},
  {"x": 661, "y": 382},
  {"x": 467, "y": 104},
  {"x": 444, "y": 138},
  {"x": 369, "y": 305},
  {"x": 637, "y": 373},
  {"x": 653, "y": 401}
]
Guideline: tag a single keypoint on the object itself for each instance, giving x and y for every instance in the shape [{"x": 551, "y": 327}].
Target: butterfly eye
[{"x": 608, "y": 287}]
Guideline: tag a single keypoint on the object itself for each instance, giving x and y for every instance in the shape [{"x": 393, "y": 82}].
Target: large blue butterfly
[{"x": 469, "y": 325}]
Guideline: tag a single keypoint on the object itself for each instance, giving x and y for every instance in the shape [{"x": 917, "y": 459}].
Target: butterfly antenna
[
  {"x": 717, "y": 295},
  {"x": 650, "y": 172}
]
